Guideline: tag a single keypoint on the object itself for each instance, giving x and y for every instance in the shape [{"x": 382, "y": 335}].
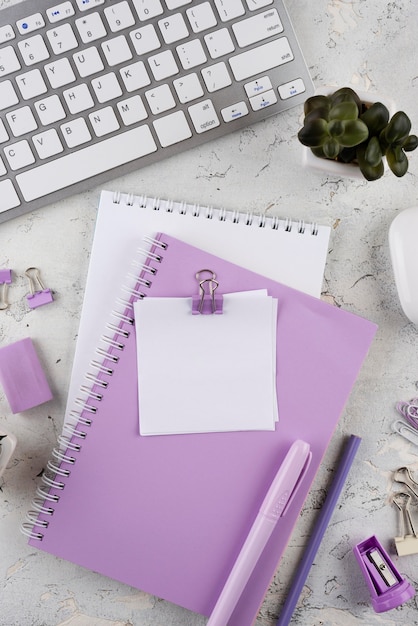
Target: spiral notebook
[
  {"x": 290, "y": 251},
  {"x": 168, "y": 515}
]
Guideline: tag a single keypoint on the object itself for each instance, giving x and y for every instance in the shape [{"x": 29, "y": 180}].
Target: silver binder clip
[
  {"x": 207, "y": 302},
  {"x": 403, "y": 476},
  {"x": 407, "y": 542},
  {"x": 5, "y": 280}
]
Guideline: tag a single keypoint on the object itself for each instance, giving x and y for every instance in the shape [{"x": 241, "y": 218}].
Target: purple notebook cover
[{"x": 168, "y": 514}]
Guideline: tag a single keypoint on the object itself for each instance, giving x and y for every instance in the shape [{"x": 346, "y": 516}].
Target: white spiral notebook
[{"x": 289, "y": 251}]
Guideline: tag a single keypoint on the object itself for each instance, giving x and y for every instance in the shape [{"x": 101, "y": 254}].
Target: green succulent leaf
[
  {"x": 331, "y": 148},
  {"x": 344, "y": 111},
  {"x": 376, "y": 118},
  {"x": 411, "y": 143},
  {"x": 336, "y": 128},
  {"x": 355, "y": 132},
  {"x": 346, "y": 94},
  {"x": 369, "y": 172},
  {"x": 316, "y": 102},
  {"x": 398, "y": 128},
  {"x": 373, "y": 153},
  {"x": 314, "y": 134},
  {"x": 397, "y": 160}
]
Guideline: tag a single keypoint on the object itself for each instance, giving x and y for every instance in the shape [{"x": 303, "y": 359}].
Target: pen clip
[{"x": 298, "y": 483}]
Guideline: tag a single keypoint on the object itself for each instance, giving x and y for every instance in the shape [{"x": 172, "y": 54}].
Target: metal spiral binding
[
  {"x": 249, "y": 218},
  {"x": 82, "y": 417}
]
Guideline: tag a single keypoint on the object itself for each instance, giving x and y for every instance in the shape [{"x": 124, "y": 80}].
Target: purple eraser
[{"x": 22, "y": 376}]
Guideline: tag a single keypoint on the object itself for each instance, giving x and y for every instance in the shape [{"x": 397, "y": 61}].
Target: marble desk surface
[{"x": 372, "y": 46}]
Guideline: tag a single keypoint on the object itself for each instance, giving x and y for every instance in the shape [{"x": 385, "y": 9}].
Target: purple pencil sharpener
[{"x": 387, "y": 587}]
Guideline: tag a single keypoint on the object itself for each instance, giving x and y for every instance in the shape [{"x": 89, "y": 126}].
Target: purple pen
[{"x": 274, "y": 506}]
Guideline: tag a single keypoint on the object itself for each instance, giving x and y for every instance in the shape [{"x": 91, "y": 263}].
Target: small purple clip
[
  {"x": 388, "y": 589},
  {"x": 39, "y": 294},
  {"x": 5, "y": 280},
  {"x": 207, "y": 302}
]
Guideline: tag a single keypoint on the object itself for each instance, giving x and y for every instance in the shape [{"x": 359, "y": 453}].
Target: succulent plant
[{"x": 343, "y": 128}]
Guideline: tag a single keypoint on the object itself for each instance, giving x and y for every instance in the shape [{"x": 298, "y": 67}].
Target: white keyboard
[{"x": 92, "y": 89}]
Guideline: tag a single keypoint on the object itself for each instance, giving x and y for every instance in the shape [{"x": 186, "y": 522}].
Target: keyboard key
[
  {"x": 201, "y": 17},
  {"x": 88, "y": 62},
  {"x": 219, "y": 43},
  {"x": 203, "y": 116},
  {"x": 147, "y": 9},
  {"x": 175, "y": 4},
  {"x": 8, "y": 61},
  {"x": 19, "y": 155},
  {"x": 106, "y": 87},
  {"x": 132, "y": 110},
  {"x": 263, "y": 100},
  {"x": 50, "y": 110},
  {"x": 145, "y": 39},
  {"x": 8, "y": 196},
  {"x": 60, "y": 12},
  {"x": 47, "y": 143},
  {"x": 78, "y": 98},
  {"x": 116, "y": 50},
  {"x": 86, "y": 162},
  {"x": 31, "y": 84},
  {"x": 21, "y": 121},
  {"x": 62, "y": 39},
  {"x": 172, "y": 129},
  {"x": 30, "y": 23},
  {"x": 104, "y": 121},
  {"x": 8, "y": 96},
  {"x": 191, "y": 54},
  {"x": 3, "y": 169},
  {"x": 86, "y": 5},
  {"x": 216, "y": 77},
  {"x": 163, "y": 65},
  {"x": 188, "y": 88},
  {"x": 75, "y": 132},
  {"x": 6, "y": 33},
  {"x": 59, "y": 73},
  {"x": 229, "y": 10},
  {"x": 33, "y": 50},
  {"x": 254, "y": 5},
  {"x": 119, "y": 16},
  {"x": 90, "y": 27},
  {"x": 173, "y": 28},
  {"x": 257, "y": 28},
  {"x": 288, "y": 90},
  {"x": 3, "y": 132},
  {"x": 261, "y": 59},
  {"x": 234, "y": 112},
  {"x": 160, "y": 99},
  {"x": 258, "y": 86},
  {"x": 135, "y": 76}
]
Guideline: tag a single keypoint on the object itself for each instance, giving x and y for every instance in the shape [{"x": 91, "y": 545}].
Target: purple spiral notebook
[{"x": 168, "y": 515}]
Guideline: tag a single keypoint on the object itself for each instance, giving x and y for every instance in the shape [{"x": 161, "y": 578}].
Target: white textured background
[{"x": 372, "y": 45}]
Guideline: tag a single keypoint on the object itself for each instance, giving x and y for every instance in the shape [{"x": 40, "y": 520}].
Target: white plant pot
[{"x": 334, "y": 168}]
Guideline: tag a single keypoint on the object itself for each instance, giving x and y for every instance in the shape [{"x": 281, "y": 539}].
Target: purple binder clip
[
  {"x": 207, "y": 302},
  {"x": 39, "y": 294},
  {"x": 5, "y": 280},
  {"x": 387, "y": 587}
]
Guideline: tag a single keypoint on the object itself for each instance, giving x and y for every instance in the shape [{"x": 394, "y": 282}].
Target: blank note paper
[{"x": 206, "y": 373}]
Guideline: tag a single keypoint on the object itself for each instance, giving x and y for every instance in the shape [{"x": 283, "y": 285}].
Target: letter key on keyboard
[{"x": 93, "y": 89}]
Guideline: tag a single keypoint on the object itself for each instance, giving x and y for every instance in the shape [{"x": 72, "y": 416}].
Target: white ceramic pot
[{"x": 334, "y": 168}]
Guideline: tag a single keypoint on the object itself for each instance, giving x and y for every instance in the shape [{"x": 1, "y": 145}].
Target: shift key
[{"x": 261, "y": 59}]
